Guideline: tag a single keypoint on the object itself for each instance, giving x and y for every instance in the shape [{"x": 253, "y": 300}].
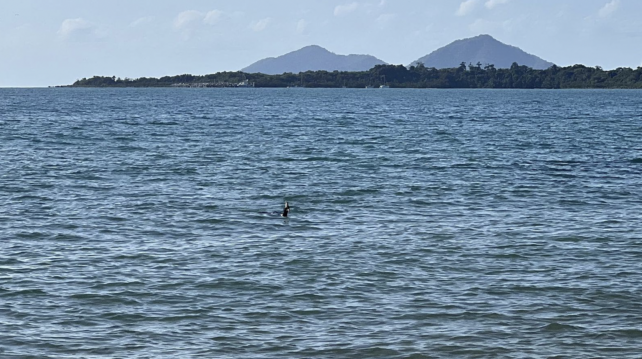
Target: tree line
[{"x": 399, "y": 76}]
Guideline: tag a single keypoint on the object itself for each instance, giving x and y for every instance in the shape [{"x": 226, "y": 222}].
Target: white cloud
[
  {"x": 261, "y": 24},
  {"x": 76, "y": 27},
  {"x": 466, "y": 7},
  {"x": 343, "y": 10},
  {"x": 191, "y": 18},
  {"x": 142, "y": 21},
  {"x": 213, "y": 17},
  {"x": 491, "y": 4},
  {"x": 186, "y": 18},
  {"x": 609, "y": 8},
  {"x": 301, "y": 25}
]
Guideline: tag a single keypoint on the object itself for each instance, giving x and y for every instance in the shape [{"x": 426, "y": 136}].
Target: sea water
[{"x": 424, "y": 223}]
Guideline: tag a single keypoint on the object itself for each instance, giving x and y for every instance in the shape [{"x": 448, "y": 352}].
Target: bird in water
[{"x": 286, "y": 210}]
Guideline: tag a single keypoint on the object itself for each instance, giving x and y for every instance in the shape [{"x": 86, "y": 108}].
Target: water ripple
[{"x": 425, "y": 224}]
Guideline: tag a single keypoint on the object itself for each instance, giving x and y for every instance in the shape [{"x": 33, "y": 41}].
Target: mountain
[
  {"x": 484, "y": 49},
  {"x": 313, "y": 58}
]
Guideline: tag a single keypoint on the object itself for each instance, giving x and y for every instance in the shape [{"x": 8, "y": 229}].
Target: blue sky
[{"x": 46, "y": 42}]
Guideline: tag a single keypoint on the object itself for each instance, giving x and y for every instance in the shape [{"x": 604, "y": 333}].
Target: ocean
[{"x": 137, "y": 223}]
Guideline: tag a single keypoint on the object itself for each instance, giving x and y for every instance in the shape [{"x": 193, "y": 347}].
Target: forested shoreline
[{"x": 399, "y": 76}]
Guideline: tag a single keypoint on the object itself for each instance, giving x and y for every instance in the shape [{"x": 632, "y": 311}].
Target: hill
[
  {"x": 484, "y": 49},
  {"x": 312, "y": 58}
]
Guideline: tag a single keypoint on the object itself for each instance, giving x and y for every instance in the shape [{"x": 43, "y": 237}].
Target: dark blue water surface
[{"x": 424, "y": 223}]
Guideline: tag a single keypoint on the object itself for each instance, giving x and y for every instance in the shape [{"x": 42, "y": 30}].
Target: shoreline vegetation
[{"x": 399, "y": 76}]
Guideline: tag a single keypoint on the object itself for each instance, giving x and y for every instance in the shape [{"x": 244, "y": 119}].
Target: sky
[{"x": 56, "y": 42}]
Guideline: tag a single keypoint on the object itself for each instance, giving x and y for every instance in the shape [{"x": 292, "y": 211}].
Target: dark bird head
[{"x": 286, "y": 210}]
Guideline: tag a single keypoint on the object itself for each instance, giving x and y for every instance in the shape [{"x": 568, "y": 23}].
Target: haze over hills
[
  {"x": 483, "y": 49},
  {"x": 313, "y": 58}
]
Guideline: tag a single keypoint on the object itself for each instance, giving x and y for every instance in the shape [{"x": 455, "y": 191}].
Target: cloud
[
  {"x": 466, "y": 7},
  {"x": 213, "y": 17},
  {"x": 301, "y": 25},
  {"x": 609, "y": 8},
  {"x": 191, "y": 18},
  {"x": 186, "y": 18},
  {"x": 491, "y": 4},
  {"x": 76, "y": 28},
  {"x": 141, "y": 21},
  {"x": 261, "y": 24},
  {"x": 343, "y": 10}
]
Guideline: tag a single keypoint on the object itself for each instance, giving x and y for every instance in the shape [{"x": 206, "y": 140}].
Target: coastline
[{"x": 398, "y": 76}]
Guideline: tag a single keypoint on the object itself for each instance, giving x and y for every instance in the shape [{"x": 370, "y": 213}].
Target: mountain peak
[
  {"x": 483, "y": 36},
  {"x": 313, "y": 47},
  {"x": 483, "y": 49},
  {"x": 313, "y": 58}
]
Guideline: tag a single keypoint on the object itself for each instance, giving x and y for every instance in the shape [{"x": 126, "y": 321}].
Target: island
[{"x": 399, "y": 76}]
